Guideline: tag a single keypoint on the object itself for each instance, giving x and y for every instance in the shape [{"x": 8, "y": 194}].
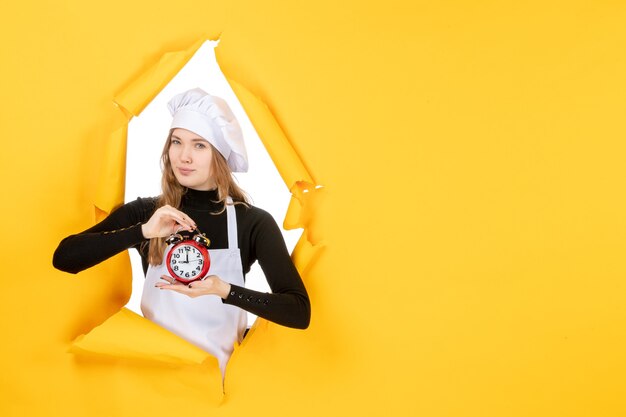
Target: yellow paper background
[{"x": 472, "y": 157}]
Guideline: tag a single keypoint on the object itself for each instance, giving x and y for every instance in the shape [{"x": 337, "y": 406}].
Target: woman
[{"x": 204, "y": 145}]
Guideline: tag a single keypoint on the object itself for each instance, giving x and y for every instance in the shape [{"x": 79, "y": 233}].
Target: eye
[
  {"x": 200, "y": 145},
  {"x": 175, "y": 142}
]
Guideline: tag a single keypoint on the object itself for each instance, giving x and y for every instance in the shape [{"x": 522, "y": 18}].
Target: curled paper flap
[
  {"x": 129, "y": 335},
  {"x": 110, "y": 188},
  {"x": 305, "y": 194},
  {"x": 285, "y": 158},
  {"x": 144, "y": 89}
]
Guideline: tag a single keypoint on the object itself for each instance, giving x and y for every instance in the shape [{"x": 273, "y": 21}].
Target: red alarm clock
[{"x": 188, "y": 260}]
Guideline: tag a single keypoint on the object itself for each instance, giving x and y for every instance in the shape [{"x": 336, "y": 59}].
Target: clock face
[{"x": 188, "y": 261}]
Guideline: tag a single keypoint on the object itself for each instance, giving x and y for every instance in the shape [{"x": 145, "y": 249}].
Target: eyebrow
[{"x": 193, "y": 140}]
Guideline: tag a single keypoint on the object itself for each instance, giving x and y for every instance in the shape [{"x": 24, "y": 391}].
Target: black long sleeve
[
  {"x": 259, "y": 239},
  {"x": 288, "y": 304},
  {"x": 121, "y": 230}
]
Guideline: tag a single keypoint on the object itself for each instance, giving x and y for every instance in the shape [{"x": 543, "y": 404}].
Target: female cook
[{"x": 204, "y": 145}]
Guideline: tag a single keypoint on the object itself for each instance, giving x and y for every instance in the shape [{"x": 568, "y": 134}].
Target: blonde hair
[{"x": 173, "y": 192}]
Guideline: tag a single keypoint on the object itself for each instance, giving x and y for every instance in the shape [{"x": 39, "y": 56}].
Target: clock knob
[
  {"x": 174, "y": 238},
  {"x": 202, "y": 239}
]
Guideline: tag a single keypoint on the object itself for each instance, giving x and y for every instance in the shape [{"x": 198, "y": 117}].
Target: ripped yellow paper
[
  {"x": 110, "y": 339},
  {"x": 110, "y": 188},
  {"x": 145, "y": 88},
  {"x": 128, "y": 335},
  {"x": 486, "y": 144},
  {"x": 285, "y": 158}
]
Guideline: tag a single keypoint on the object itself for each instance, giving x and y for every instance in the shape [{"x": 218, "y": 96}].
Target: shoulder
[
  {"x": 142, "y": 203},
  {"x": 139, "y": 208},
  {"x": 253, "y": 214},
  {"x": 257, "y": 222},
  {"x": 148, "y": 203}
]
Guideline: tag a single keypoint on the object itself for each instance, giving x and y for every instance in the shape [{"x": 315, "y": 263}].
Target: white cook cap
[{"x": 210, "y": 117}]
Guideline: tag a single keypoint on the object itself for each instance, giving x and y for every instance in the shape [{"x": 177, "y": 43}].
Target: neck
[
  {"x": 206, "y": 187},
  {"x": 205, "y": 199}
]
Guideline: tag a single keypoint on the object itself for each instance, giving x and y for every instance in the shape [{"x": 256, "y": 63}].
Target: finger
[
  {"x": 202, "y": 284},
  {"x": 176, "y": 218},
  {"x": 166, "y": 284},
  {"x": 181, "y": 218},
  {"x": 169, "y": 279},
  {"x": 188, "y": 219},
  {"x": 179, "y": 223},
  {"x": 182, "y": 289},
  {"x": 170, "y": 287}
]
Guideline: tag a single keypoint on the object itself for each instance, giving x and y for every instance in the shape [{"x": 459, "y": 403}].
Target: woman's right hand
[{"x": 165, "y": 221}]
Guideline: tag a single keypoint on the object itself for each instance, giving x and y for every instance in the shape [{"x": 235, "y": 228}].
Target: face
[{"x": 190, "y": 156}]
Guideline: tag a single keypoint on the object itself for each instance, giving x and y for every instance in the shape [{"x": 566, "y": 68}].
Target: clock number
[
  {"x": 177, "y": 255},
  {"x": 175, "y": 268},
  {"x": 180, "y": 250},
  {"x": 173, "y": 261},
  {"x": 186, "y": 274},
  {"x": 197, "y": 268}
]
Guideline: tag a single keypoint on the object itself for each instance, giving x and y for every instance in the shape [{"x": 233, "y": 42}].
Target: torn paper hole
[
  {"x": 147, "y": 134},
  {"x": 154, "y": 84}
]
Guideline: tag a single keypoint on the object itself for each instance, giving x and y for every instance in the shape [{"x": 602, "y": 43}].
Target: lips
[{"x": 185, "y": 171}]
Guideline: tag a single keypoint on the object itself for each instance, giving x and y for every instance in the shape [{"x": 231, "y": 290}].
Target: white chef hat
[{"x": 210, "y": 117}]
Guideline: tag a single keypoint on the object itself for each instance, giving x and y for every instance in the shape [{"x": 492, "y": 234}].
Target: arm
[
  {"x": 288, "y": 304},
  {"x": 119, "y": 231}
]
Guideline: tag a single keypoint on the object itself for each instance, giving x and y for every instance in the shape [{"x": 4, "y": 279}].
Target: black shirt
[{"x": 259, "y": 239}]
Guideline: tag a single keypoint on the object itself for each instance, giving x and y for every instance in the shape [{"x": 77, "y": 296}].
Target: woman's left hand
[{"x": 211, "y": 284}]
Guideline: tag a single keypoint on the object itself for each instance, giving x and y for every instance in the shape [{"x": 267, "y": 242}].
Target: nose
[{"x": 185, "y": 154}]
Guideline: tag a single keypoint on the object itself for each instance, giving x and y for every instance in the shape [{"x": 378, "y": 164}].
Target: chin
[
  {"x": 194, "y": 183},
  {"x": 191, "y": 185},
  {"x": 186, "y": 183}
]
